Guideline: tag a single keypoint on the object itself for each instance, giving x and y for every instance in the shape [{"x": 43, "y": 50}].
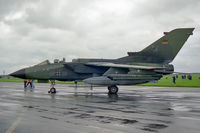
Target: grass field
[
  {"x": 195, "y": 82},
  {"x": 11, "y": 80},
  {"x": 165, "y": 82}
]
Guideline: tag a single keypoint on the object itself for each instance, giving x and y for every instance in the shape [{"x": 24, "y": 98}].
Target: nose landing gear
[{"x": 53, "y": 89}]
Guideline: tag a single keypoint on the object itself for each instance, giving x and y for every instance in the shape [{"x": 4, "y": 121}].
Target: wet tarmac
[{"x": 134, "y": 110}]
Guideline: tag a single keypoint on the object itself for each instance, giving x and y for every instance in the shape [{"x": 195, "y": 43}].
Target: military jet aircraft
[{"x": 147, "y": 65}]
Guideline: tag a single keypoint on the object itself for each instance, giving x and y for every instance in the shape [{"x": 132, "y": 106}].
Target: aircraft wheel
[
  {"x": 53, "y": 90},
  {"x": 113, "y": 89},
  {"x": 108, "y": 88}
]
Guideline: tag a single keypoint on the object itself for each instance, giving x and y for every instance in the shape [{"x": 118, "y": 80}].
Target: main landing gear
[{"x": 113, "y": 89}]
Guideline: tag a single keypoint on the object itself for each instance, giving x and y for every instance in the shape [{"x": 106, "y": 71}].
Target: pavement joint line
[{"x": 14, "y": 125}]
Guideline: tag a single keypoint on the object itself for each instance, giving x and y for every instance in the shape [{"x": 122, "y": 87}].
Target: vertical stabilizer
[{"x": 165, "y": 49}]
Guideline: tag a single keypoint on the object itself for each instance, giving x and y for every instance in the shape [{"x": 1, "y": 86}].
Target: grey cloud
[
  {"x": 62, "y": 14},
  {"x": 99, "y": 28},
  {"x": 9, "y": 6}
]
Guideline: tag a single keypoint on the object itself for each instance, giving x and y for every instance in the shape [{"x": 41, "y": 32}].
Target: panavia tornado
[{"x": 147, "y": 65}]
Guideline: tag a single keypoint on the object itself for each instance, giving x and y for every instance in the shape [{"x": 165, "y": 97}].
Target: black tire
[
  {"x": 112, "y": 89},
  {"x": 108, "y": 88},
  {"x": 53, "y": 90}
]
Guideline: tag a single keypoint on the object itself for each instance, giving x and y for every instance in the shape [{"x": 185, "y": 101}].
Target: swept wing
[{"x": 114, "y": 65}]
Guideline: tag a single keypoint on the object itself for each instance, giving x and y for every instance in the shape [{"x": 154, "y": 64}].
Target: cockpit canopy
[{"x": 43, "y": 63}]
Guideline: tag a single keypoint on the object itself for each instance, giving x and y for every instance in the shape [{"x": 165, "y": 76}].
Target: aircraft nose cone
[{"x": 19, "y": 74}]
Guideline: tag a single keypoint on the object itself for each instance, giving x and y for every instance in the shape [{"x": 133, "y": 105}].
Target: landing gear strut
[{"x": 113, "y": 89}]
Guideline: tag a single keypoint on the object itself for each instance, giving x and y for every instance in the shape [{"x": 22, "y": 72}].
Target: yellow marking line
[{"x": 14, "y": 125}]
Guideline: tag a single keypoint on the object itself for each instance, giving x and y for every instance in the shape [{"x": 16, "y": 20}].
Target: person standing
[
  {"x": 174, "y": 79},
  {"x": 32, "y": 84},
  {"x": 25, "y": 83}
]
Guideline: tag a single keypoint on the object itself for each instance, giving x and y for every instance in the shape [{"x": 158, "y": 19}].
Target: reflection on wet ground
[{"x": 134, "y": 109}]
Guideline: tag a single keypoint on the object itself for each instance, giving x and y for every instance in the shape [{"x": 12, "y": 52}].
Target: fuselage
[{"x": 79, "y": 70}]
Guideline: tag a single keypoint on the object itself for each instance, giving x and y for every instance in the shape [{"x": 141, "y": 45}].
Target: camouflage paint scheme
[{"x": 149, "y": 64}]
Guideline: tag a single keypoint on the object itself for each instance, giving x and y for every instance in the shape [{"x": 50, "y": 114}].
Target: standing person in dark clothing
[
  {"x": 31, "y": 85},
  {"x": 174, "y": 79},
  {"x": 189, "y": 77},
  {"x": 25, "y": 83},
  {"x": 75, "y": 82}
]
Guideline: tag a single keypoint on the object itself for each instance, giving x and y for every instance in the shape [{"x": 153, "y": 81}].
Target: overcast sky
[{"x": 33, "y": 31}]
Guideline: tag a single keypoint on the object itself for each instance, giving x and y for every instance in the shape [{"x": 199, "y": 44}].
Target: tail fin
[{"x": 165, "y": 49}]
